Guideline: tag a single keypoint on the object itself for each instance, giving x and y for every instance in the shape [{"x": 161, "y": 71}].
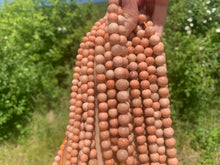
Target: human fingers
[
  {"x": 159, "y": 15},
  {"x": 146, "y": 7},
  {"x": 130, "y": 9}
]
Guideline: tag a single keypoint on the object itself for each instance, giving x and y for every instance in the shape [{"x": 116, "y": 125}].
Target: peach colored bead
[
  {"x": 143, "y": 158},
  {"x": 112, "y": 103},
  {"x": 109, "y": 162},
  {"x": 143, "y": 75},
  {"x": 112, "y": 18},
  {"x": 149, "y": 31},
  {"x": 150, "y": 120},
  {"x": 150, "y": 61},
  {"x": 142, "y": 148},
  {"x": 147, "y": 103},
  {"x": 163, "y": 92},
  {"x": 139, "y": 130},
  {"x": 123, "y": 143},
  {"x": 111, "y": 93},
  {"x": 161, "y": 71},
  {"x": 141, "y": 57},
  {"x": 171, "y": 152},
  {"x": 145, "y": 42},
  {"x": 136, "y": 41},
  {"x": 123, "y": 40},
  {"x": 164, "y": 102},
  {"x": 110, "y": 74},
  {"x": 138, "y": 49},
  {"x": 103, "y": 125},
  {"x": 123, "y": 131},
  {"x": 130, "y": 160},
  {"x": 114, "y": 39},
  {"x": 104, "y": 135},
  {"x": 93, "y": 154},
  {"x": 140, "y": 33},
  {"x": 99, "y": 59},
  {"x": 123, "y": 120},
  {"x": 122, "y": 155},
  {"x": 154, "y": 39},
  {"x": 113, "y": 122},
  {"x": 154, "y": 157},
  {"x": 100, "y": 32},
  {"x": 101, "y": 87},
  {"x": 122, "y": 84},
  {"x": 122, "y": 96},
  {"x": 170, "y": 142},
  {"x": 116, "y": 50},
  {"x": 122, "y": 29},
  {"x": 100, "y": 78},
  {"x": 113, "y": 27},
  {"x": 158, "y": 49},
  {"x": 168, "y": 132},
  {"x": 148, "y": 52},
  {"x": 137, "y": 112},
  {"x": 118, "y": 61},
  {"x": 121, "y": 19},
  {"x": 142, "y": 18},
  {"x": 151, "y": 69},
  {"x": 113, "y": 113},
  {"x": 167, "y": 122},
  {"x": 136, "y": 102},
  {"x": 172, "y": 161},
  {"x": 131, "y": 57},
  {"x": 135, "y": 93},
  {"x": 123, "y": 107},
  {"x": 130, "y": 50}
]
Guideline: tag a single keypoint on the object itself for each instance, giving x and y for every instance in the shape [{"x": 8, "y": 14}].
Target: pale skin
[{"x": 157, "y": 11}]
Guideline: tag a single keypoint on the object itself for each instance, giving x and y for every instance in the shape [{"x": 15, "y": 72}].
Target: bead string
[{"x": 133, "y": 116}]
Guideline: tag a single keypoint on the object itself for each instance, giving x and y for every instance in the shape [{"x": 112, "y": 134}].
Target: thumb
[{"x": 130, "y": 10}]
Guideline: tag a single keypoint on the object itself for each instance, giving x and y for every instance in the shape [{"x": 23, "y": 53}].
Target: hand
[{"x": 155, "y": 9}]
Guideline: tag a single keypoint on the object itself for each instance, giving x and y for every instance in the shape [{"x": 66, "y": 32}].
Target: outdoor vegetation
[{"x": 38, "y": 44}]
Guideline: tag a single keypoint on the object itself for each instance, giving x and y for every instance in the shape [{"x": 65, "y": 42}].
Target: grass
[
  {"x": 45, "y": 134},
  {"x": 199, "y": 143}
]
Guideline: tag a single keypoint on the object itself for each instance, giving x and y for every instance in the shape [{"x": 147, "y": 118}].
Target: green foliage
[
  {"x": 193, "y": 60},
  {"x": 45, "y": 135},
  {"x": 38, "y": 44},
  {"x": 193, "y": 16}
]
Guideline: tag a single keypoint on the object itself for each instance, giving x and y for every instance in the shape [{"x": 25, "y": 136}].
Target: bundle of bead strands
[{"x": 119, "y": 100}]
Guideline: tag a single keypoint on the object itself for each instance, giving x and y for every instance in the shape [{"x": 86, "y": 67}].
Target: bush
[
  {"x": 38, "y": 43},
  {"x": 193, "y": 49}
]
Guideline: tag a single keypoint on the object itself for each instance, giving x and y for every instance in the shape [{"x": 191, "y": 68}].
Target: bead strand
[
  {"x": 146, "y": 95},
  {"x": 89, "y": 106},
  {"x": 165, "y": 110},
  {"x": 119, "y": 51},
  {"x": 111, "y": 89},
  {"x": 73, "y": 136},
  {"x": 102, "y": 96},
  {"x": 113, "y": 30},
  {"x": 138, "y": 67},
  {"x": 157, "y": 147},
  {"x": 83, "y": 157},
  {"x": 119, "y": 99}
]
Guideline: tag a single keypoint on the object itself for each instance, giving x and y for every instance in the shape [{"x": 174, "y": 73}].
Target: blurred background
[{"x": 38, "y": 45}]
